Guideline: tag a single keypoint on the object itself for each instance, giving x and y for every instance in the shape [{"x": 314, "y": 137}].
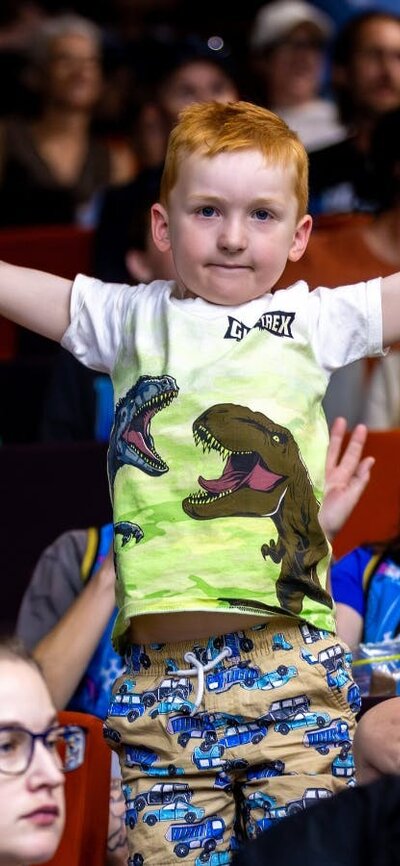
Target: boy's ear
[
  {"x": 300, "y": 238},
  {"x": 159, "y": 227}
]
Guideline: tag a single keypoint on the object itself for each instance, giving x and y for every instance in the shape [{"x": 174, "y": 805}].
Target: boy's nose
[{"x": 232, "y": 236}]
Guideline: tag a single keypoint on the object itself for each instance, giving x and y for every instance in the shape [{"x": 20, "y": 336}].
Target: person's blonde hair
[
  {"x": 211, "y": 128},
  {"x": 12, "y": 648}
]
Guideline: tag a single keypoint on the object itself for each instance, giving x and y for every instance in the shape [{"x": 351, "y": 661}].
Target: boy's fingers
[
  {"x": 352, "y": 454},
  {"x": 336, "y": 435},
  {"x": 363, "y": 473}
]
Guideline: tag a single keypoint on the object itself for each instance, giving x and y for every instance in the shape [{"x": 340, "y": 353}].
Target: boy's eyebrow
[{"x": 260, "y": 201}]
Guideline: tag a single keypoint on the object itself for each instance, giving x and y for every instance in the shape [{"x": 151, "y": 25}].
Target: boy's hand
[{"x": 346, "y": 477}]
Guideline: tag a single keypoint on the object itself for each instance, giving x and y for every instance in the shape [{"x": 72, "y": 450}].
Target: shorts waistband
[{"x": 278, "y": 633}]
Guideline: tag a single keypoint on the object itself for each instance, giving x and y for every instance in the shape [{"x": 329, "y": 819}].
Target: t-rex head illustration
[
  {"x": 259, "y": 459},
  {"x": 131, "y": 441}
]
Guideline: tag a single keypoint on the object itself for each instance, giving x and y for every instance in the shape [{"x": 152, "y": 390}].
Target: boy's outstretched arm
[
  {"x": 391, "y": 309},
  {"x": 34, "y": 299}
]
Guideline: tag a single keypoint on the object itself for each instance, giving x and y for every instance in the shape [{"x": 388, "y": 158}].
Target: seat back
[
  {"x": 87, "y": 792},
  {"x": 46, "y": 489},
  {"x": 62, "y": 250},
  {"x": 377, "y": 515}
]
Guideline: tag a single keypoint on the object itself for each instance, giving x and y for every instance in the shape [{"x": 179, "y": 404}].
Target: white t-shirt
[{"x": 216, "y": 459}]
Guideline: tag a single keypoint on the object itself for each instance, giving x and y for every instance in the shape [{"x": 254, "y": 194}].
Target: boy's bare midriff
[{"x": 172, "y": 627}]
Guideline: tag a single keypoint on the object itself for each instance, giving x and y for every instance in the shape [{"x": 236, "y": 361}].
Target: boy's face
[{"x": 231, "y": 223}]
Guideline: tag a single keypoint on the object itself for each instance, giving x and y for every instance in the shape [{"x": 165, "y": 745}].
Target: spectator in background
[
  {"x": 188, "y": 71},
  {"x": 18, "y": 21},
  {"x": 355, "y": 250},
  {"x": 366, "y": 80},
  {"x": 32, "y": 807},
  {"x": 52, "y": 168},
  {"x": 73, "y": 578},
  {"x": 366, "y": 589},
  {"x": 288, "y": 52},
  {"x": 382, "y": 401},
  {"x": 382, "y": 398}
]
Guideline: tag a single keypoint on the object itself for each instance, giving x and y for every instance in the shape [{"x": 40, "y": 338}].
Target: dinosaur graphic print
[
  {"x": 264, "y": 476},
  {"x": 131, "y": 442}
]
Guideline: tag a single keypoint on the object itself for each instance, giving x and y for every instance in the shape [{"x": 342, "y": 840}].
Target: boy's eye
[
  {"x": 262, "y": 214},
  {"x": 207, "y": 210}
]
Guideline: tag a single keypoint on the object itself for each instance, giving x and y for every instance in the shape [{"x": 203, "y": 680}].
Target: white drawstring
[{"x": 198, "y": 670}]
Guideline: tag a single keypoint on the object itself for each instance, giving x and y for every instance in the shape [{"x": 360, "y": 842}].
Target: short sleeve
[
  {"x": 99, "y": 315},
  {"x": 346, "y": 323}
]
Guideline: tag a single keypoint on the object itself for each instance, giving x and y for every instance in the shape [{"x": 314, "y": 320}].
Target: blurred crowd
[{"x": 91, "y": 92}]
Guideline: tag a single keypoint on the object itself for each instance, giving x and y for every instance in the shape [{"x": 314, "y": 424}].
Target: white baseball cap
[{"x": 276, "y": 20}]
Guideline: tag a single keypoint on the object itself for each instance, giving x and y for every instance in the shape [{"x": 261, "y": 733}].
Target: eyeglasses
[{"x": 66, "y": 744}]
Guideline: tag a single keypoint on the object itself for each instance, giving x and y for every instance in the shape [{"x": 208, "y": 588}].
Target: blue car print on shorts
[
  {"x": 302, "y": 720},
  {"x": 222, "y": 680},
  {"x": 324, "y": 739},
  {"x": 279, "y": 642},
  {"x": 207, "y": 834},
  {"x": 343, "y": 766},
  {"x": 200, "y": 726},
  {"x": 310, "y": 796},
  {"x": 131, "y": 815},
  {"x": 266, "y": 770},
  {"x": 126, "y": 703},
  {"x": 208, "y": 757},
  {"x": 236, "y": 642},
  {"x": 216, "y": 858},
  {"x": 273, "y": 679},
  {"x": 240, "y": 735},
  {"x": 311, "y": 634},
  {"x": 174, "y": 812},
  {"x": 259, "y": 800},
  {"x": 136, "y": 756},
  {"x": 162, "y": 794},
  {"x": 354, "y": 698},
  {"x": 175, "y": 705},
  {"x": 170, "y": 689},
  {"x": 286, "y": 708}
]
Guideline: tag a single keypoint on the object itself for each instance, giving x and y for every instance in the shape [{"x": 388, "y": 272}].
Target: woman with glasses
[{"x": 35, "y": 752}]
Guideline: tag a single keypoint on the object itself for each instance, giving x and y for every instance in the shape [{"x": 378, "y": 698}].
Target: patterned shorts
[{"x": 218, "y": 740}]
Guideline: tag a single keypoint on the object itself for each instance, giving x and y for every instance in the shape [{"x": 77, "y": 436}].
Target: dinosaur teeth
[
  {"x": 155, "y": 463},
  {"x": 209, "y": 443},
  {"x": 203, "y": 497},
  {"x": 156, "y": 403}
]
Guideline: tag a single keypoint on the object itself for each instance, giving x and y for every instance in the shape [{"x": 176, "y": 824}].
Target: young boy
[{"x": 238, "y": 705}]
